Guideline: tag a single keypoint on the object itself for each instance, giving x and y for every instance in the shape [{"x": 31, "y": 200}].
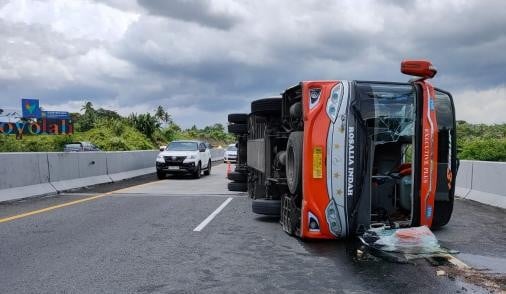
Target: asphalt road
[{"x": 142, "y": 239}]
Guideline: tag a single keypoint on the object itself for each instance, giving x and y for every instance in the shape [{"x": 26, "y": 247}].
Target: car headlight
[
  {"x": 192, "y": 157},
  {"x": 334, "y": 102},
  {"x": 160, "y": 158}
]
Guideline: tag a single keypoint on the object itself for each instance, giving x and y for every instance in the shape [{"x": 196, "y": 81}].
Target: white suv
[{"x": 180, "y": 157}]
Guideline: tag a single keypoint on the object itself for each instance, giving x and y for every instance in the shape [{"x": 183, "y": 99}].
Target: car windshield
[
  {"x": 73, "y": 146},
  {"x": 182, "y": 146},
  {"x": 388, "y": 109},
  {"x": 231, "y": 148}
]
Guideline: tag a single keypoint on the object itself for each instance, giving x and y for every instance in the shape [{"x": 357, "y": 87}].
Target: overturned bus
[{"x": 335, "y": 158}]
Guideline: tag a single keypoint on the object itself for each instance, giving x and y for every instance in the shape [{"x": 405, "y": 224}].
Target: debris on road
[
  {"x": 402, "y": 245},
  {"x": 440, "y": 273},
  {"x": 494, "y": 283}
]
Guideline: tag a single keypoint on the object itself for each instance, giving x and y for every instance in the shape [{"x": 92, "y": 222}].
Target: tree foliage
[
  {"x": 87, "y": 121},
  {"x": 110, "y": 131},
  {"x": 144, "y": 123},
  {"x": 481, "y": 142}
]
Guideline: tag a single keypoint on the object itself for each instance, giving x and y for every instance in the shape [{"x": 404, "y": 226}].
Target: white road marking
[{"x": 205, "y": 222}]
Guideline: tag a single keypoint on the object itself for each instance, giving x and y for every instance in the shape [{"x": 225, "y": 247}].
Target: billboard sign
[
  {"x": 45, "y": 127},
  {"x": 55, "y": 114},
  {"x": 30, "y": 108}
]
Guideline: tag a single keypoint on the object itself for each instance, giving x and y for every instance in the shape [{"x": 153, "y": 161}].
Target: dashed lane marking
[{"x": 205, "y": 222}]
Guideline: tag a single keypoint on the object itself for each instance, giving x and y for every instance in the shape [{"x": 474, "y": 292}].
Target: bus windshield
[{"x": 387, "y": 109}]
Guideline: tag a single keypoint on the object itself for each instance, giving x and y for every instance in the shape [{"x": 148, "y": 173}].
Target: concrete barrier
[
  {"x": 217, "y": 154},
  {"x": 464, "y": 178},
  {"x": 489, "y": 183},
  {"x": 24, "y": 174},
  {"x": 70, "y": 170},
  {"x": 482, "y": 181},
  {"x": 30, "y": 174},
  {"x": 123, "y": 165}
]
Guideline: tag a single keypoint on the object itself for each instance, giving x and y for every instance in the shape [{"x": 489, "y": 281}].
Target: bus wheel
[
  {"x": 238, "y": 177},
  {"x": 239, "y": 187},
  {"x": 238, "y": 118},
  {"x": 442, "y": 213},
  {"x": 266, "y": 107},
  {"x": 266, "y": 207},
  {"x": 238, "y": 129},
  {"x": 294, "y": 162}
]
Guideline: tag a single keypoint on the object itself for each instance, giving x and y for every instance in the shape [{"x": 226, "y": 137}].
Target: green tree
[
  {"x": 88, "y": 119},
  {"x": 162, "y": 115},
  {"x": 485, "y": 149},
  {"x": 145, "y": 123},
  {"x": 107, "y": 114}
]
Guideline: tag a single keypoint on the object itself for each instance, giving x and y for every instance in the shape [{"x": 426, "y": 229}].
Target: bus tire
[
  {"x": 238, "y": 118},
  {"x": 266, "y": 107},
  {"x": 294, "y": 162},
  {"x": 238, "y": 177},
  {"x": 237, "y": 187},
  {"x": 442, "y": 213},
  {"x": 238, "y": 129},
  {"x": 266, "y": 207}
]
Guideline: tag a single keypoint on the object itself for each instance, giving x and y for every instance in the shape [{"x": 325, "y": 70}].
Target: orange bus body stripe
[
  {"x": 429, "y": 158},
  {"x": 316, "y": 127}
]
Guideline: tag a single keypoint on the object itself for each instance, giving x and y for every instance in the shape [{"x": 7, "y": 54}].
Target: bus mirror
[{"x": 419, "y": 68}]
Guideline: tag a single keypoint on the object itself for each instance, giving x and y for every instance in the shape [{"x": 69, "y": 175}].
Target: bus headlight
[
  {"x": 333, "y": 219},
  {"x": 334, "y": 102}
]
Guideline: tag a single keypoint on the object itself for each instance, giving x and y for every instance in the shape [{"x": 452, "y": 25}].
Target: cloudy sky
[{"x": 202, "y": 59}]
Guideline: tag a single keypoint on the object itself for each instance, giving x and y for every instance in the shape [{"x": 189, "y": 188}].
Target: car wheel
[
  {"x": 238, "y": 118},
  {"x": 294, "y": 162},
  {"x": 238, "y": 177},
  {"x": 208, "y": 170},
  {"x": 266, "y": 207},
  {"x": 161, "y": 175},
  {"x": 198, "y": 172},
  {"x": 239, "y": 187},
  {"x": 238, "y": 129}
]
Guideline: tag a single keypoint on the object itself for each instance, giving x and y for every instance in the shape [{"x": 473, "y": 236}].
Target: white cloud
[
  {"x": 481, "y": 106},
  {"x": 75, "y": 19},
  {"x": 201, "y": 59}
]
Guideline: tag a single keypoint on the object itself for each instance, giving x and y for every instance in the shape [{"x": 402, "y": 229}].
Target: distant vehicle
[
  {"x": 184, "y": 157},
  {"x": 230, "y": 153},
  {"x": 80, "y": 147}
]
